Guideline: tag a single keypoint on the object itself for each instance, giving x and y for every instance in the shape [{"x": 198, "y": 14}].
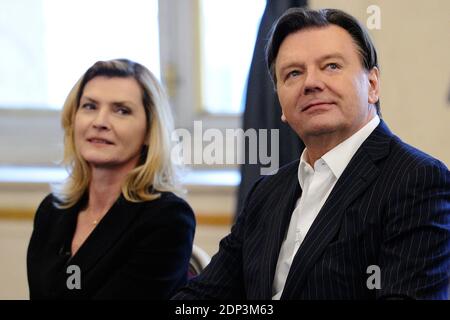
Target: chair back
[{"x": 199, "y": 260}]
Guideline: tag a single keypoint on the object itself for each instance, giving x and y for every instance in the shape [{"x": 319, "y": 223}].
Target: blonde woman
[{"x": 116, "y": 230}]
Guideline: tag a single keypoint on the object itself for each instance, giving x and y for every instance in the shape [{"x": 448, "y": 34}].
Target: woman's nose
[{"x": 101, "y": 120}]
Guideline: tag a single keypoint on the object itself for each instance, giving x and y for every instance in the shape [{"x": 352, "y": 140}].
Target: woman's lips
[{"x": 99, "y": 141}]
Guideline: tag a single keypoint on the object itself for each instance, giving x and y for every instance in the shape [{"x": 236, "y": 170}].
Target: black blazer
[
  {"x": 390, "y": 208},
  {"x": 137, "y": 251}
]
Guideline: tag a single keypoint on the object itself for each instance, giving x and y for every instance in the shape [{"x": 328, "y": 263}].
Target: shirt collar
[
  {"x": 339, "y": 157},
  {"x": 304, "y": 169}
]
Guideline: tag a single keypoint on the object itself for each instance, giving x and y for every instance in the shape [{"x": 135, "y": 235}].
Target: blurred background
[{"x": 203, "y": 52}]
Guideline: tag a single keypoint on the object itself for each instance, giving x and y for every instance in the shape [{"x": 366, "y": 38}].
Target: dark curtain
[{"x": 262, "y": 108}]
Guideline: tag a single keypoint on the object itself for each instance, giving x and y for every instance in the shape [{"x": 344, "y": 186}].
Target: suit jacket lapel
[
  {"x": 358, "y": 175},
  {"x": 276, "y": 228}
]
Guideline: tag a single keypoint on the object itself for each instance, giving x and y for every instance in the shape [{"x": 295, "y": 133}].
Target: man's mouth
[{"x": 316, "y": 104}]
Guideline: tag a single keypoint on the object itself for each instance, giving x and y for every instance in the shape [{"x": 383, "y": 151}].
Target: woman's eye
[
  {"x": 88, "y": 106},
  {"x": 123, "y": 110}
]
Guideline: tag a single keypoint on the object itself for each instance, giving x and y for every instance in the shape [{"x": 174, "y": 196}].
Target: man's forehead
[{"x": 317, "y": 42}]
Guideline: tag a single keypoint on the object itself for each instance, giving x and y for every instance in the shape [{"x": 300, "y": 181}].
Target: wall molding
[{"x": 22, "y": 214}]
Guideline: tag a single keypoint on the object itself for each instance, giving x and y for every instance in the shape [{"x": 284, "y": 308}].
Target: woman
[{"x": 115, "y": 230}]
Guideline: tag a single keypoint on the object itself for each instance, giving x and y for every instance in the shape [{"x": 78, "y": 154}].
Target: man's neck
[
  {"x": 314, "y": 151},
  {"x": 317, "y": 146}
]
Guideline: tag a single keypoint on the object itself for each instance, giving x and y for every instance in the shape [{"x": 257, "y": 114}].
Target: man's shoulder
[
  {"x": 280, "y": 175},
  {"x": 383, "y": 144},
  {"x": 412, "y": 157},
  {"x": 279, "y": 181}
]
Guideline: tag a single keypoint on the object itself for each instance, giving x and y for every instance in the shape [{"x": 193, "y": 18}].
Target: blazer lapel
[
  {"x": 358, "y": 175},
  {"x": 66, "y": 222},
  {"x": 107, "y": 232},
  {"x": 276, "y": 228},
  {"x": 102, "y": 238}
]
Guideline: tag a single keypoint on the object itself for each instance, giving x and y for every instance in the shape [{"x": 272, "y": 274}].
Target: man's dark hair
[{"x": 296, "y": 19}]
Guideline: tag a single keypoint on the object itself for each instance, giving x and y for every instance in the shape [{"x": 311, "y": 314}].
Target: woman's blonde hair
[{"x": 155, "y": 171}]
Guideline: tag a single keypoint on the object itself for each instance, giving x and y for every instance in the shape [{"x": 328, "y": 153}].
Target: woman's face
[{"x": 110, "y": 123}]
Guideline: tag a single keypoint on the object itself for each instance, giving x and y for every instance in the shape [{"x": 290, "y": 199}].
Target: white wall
[{"x": 414, "y": 53}]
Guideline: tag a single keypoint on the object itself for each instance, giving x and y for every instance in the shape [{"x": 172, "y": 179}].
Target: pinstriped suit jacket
[{"x": 390, "y": 208}]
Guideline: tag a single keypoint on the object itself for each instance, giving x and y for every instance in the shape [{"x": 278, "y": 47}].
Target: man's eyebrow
[
  {"x": 291, "y": 64},
  {"x": 329, "y": 56},
  {"x": 332, "y": 56}
]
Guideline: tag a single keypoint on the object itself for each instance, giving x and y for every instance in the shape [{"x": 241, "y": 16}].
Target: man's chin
[{"x": 320, "y": 129}]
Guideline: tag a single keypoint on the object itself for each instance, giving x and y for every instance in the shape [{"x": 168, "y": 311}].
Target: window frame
[
  {"x": 180, "y": 57},
  {"x": 39, "y": 133}
]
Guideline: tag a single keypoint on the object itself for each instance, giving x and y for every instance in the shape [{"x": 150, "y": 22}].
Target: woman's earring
[{"x": 283, "y": 118}]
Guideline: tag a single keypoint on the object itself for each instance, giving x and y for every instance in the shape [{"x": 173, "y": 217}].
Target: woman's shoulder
[
  {"x": 47, "y": 204},
  {"x": 168, "y": 199},
  {"x": 170, "y": 205},
  {"x": 48, "y": 201},
  {"x": 45, "y": 209}
]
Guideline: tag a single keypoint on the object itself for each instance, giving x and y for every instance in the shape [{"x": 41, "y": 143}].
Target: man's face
[{"x": 322, "y": 87}]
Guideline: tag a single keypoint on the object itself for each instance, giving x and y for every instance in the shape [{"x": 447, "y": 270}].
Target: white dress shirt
[{"x": 316, "y": 184}]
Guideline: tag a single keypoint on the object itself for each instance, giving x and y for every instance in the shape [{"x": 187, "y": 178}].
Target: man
[{"x": 361, "y": 215}]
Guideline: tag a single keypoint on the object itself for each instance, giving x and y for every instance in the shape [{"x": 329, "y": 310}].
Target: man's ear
[{"x": 374, "y": 85}]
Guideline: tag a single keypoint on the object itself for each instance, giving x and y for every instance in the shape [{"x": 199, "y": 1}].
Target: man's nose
[{"x": 313, "y": 82}]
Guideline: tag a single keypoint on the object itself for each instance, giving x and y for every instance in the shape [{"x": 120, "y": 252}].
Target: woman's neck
[{"x": 104, "y": 188}]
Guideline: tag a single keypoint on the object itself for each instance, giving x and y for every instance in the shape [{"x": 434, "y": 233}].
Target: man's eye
[
  {"x": 293, "y": 73},
  {"x": 333, "y": 66}
]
